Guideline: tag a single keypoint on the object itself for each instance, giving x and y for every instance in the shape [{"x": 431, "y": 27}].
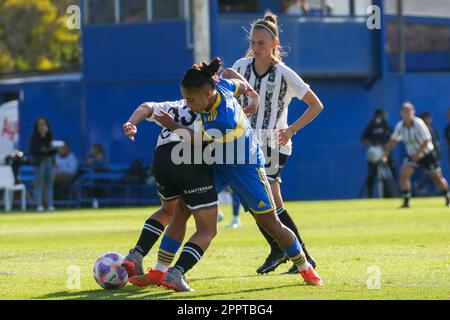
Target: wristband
[{"x": 293, "y": 131}]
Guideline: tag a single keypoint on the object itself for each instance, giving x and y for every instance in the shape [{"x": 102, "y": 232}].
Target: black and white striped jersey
[
  {"x": 276, "y": 88},
  {"x": 181, "y": 114},
  {"x": 413, "y": 136}
]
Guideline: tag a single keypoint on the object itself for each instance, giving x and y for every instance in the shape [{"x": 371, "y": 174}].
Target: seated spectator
[
  {"x": 96, "y": 158},
  {"x": 66, "y": 166}
]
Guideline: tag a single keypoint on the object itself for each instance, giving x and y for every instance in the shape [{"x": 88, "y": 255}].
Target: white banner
[{"x": 9, "y": 128}]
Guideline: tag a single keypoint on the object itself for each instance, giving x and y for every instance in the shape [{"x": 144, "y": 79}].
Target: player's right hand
[
  {"x": 384, "y": 158},
  {"x": 130, "y": 130}
]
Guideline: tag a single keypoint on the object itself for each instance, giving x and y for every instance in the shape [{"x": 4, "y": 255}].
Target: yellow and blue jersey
[
  {"x": 242, "y": 164},
  {"x": 228, "y": 127}
]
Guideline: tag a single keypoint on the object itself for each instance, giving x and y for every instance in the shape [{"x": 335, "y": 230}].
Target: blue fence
[{"x": 124, "y": 65}]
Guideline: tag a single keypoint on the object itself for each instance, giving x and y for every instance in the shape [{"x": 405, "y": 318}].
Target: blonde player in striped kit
[{"x": 277, "y": 85}]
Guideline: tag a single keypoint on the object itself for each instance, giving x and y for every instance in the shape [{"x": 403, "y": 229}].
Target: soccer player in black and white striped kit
[
  {"x": 277, "y": 85},
  {"x": 420, "y": 152}
]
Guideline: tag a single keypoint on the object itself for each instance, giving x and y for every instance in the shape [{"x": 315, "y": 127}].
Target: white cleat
[{"x": 235, "y": 224}]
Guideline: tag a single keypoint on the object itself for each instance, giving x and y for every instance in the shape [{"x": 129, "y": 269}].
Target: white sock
[
  {"x": 304, "y": 267},
  {"x": 161, "y": 267}
]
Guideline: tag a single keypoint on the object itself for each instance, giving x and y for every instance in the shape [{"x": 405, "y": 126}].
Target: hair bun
[
  {"x": 213, "y": 67},
  {"x": 271, "y": 17}
]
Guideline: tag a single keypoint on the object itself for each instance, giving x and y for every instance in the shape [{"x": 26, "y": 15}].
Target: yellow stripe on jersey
[
  {"x": 213, "y": 111},
  {"x": 232, "y": 135},
  {"x": 263, "y": 211},
  {"x": 266, "y": 183},
  {"x": 237, "y": 88}
]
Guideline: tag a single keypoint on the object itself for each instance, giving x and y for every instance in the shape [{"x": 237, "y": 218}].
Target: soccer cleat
[
  {"x": 293, "y": 270},
  {"x": 311, "y": 277},
  {"x": 447, "y": 201},
  {"x": 176, "y": 281},
  {"x": 133, "y": 263},
  {"x": 234, "y": 224},
  {"x": 404, "y": 206},
  {"x": 152, "y": 277},
  {"x": 220, "y": 216},
  {"x": 40, "y": 209},
  {"x": 272, "y": 262}
]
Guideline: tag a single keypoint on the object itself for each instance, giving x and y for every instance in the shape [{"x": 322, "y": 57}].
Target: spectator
[
  {"x": 43, "y": 156},
  {"x": 66, "y": 166},
  {"x": 375, "y": 136},
  {"x": 447, "y": 131},
  {"x": 295, "y": 6},
  {"x": 96, "y": 157}
]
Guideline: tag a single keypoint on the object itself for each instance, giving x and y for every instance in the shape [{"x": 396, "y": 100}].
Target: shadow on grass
[
  {"x": 127, "y": 293},
  {"x": 150, "y": 293}
]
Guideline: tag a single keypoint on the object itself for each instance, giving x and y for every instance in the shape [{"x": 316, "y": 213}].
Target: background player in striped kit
[
  {"x": 277, "y": 85},
  {"x": 420, "y": 152}
]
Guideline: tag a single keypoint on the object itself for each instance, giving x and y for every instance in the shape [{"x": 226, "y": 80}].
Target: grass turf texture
[{"x": 411, "y": 248}]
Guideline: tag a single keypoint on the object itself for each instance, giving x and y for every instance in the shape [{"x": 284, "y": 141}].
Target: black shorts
[
  {"x": 429, "y": 162},
  {"x": 193, "y": 182},
  {"x": 275, "y": 162}
]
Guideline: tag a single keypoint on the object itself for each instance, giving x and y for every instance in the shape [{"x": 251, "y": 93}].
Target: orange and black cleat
[
  {"x": 152, "y": 277},
  {"x": 311, "y": 277}
]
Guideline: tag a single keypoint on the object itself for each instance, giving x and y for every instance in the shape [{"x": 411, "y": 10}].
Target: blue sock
[
  {"x": 236, "y": 204},
  {"x": 167, "y": 252},
  {"x": 295, "y": 253}
]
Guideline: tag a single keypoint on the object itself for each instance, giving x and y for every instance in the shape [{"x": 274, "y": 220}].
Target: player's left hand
[
  {"x": 165, "y": 119},
  {"x": 284, "y": 135}
]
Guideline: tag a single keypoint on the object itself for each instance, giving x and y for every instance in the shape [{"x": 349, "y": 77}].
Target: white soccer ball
[
  {"x": 374, "y": 154},
  {"x": 108, "y": 271}
]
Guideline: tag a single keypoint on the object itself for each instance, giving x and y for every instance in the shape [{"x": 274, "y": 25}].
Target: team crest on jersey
[{"x": 270, "y": 87}]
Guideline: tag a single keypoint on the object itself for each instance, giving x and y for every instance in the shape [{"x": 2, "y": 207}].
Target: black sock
[
  {"x": 190, "y": 255},
  {"x": 150, "y": 234},
  {"x": 406, "y": 194},
  {"x": 446, "y": 194},
  {"x": 286, "y": 219}
]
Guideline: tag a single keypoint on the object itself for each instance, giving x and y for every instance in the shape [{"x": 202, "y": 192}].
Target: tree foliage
[{"x": 34, "y": 36}]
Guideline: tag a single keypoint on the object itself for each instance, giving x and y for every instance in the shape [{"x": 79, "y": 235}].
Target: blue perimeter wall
[{"x": 126, "y": 65}]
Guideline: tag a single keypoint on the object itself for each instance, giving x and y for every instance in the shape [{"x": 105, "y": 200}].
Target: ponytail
[{"x": 201, "y": 74}]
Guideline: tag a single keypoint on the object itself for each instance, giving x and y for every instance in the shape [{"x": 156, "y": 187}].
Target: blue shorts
[{"x": 249, "y": 182}]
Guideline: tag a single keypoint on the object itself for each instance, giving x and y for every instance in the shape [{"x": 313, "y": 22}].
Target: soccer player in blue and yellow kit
[{"x": 239, "y": 161}]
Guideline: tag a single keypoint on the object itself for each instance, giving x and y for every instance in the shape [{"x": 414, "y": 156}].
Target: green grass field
[{"x": 349, "y": 239}]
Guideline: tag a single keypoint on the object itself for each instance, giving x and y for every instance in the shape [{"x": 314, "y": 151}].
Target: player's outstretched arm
[
  {"x": 142, "y": 112},
  {"x": 188, "y": 134}
]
